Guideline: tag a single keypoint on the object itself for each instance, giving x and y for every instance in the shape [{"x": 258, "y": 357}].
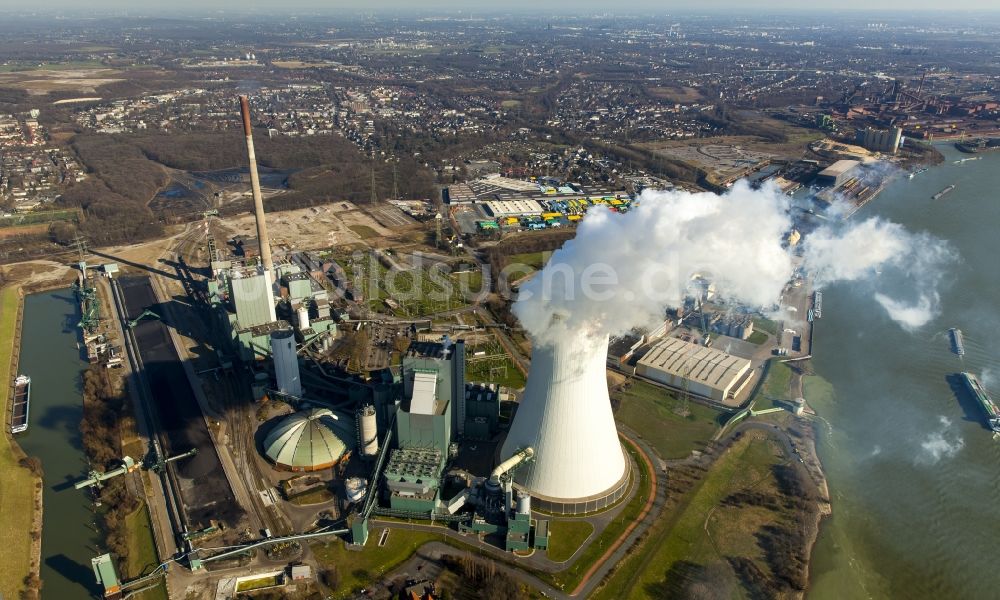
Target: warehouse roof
[
  {"x": 839, "y": 168},
  {"x": 700, "y": 364}
]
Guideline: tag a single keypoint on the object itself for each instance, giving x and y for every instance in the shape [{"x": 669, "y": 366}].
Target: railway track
[{"x": 238, "y": 413}]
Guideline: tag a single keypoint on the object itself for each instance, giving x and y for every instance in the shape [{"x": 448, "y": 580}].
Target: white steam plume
[
  {"x": 622, "y": 271},
  {"x": 943, "y": 443}
]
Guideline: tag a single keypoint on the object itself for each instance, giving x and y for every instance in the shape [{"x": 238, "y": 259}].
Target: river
[
  {"x": 49, "y": 354},
  {"x": 914, "y": 475}
]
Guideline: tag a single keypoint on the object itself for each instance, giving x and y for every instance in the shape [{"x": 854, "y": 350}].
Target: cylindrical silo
[
  {"x": 524, "y": 505},
  {"x": 286, "y": 362},
  {"x": 368, "y": 430},
  {"x": 303, "y": 317},
  {"x": 565, "y": 416}
]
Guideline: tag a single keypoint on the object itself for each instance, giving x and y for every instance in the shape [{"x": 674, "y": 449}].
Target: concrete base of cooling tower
[{"x": 579, "y": 506}]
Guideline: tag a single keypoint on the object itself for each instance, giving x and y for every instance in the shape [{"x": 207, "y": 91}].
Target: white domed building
[{"x": 308, "y": 440}]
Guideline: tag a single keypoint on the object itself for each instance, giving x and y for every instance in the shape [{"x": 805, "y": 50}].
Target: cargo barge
[
  {"x": 979, "y": 145},
  {"x": 957, "y": 345},
  {"x": 943, "y": 192},
  {"x": 21, "y": 404},
  {"x": 985, "y": 401},
  {"x": 817, "y": 309}
]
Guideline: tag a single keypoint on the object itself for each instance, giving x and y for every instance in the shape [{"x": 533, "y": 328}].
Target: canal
[{"x": 51, "y": 356}]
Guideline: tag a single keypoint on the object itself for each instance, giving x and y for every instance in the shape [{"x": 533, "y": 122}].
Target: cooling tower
[{"x": 565, "y": 415}]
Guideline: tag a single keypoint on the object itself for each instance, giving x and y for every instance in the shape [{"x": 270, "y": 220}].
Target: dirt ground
[
  {"x": 340, "y": 223},
  {"x": 43, "y": 81},
  {"x": 37, "y": 272}
]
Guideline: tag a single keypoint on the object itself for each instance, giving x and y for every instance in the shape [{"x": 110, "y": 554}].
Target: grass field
[
  {"x": 56, "y": 66},
  {"x": 358, "y": 569},
  {"x": 16, "y": 483},
  {"x": 258, "y": 583},
  {"x": 565, "y": 537},
  {"x": 142, "y": 550},
  {"x": 702, "y": 531},
  {"x": 757, "y": 337},
  {"x": 535, "y": 260},
  {"x": 776, "y": 387},
  {"x": 314, "y": 497},
  {"x": 765, "y": 325},
  {"x": 40, "y": 217},
  {"x": 656, "y": 414},
  {"x": 364, "y": 232}
]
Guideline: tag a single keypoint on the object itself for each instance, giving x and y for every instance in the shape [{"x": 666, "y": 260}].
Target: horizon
[{"x": 587, "y": 8}]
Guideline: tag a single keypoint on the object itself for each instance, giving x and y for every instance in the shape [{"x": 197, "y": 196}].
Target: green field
[
  {"x": 58, "y": 66},
  {"x": 765, "y": 325},
  {"x": 535, "y": 260},
  {"x": 565, "y": 537},
  {"x": 258, "y": 583},
  {"x": 314, "y": 497},
  {"x": 16, "y": 483},
  {"x": 569, "y": 578},
  {"x": 657, "y": 415},
  {"x": 364, "y": 232},
  {"x": 757, "y": 337},
  {"x": 358, "y": 569},
  {"x": 702, "y": 531},
  {"x": 45, "y": 216},
  {"x": 142, "y": 551},
  {"x": 776, "y": 386}
]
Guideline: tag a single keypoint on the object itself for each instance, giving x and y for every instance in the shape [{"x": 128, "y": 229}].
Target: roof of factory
[
  {"x": 309, "y": 439},
  {"x": 839, "y": 168},
  {"x": 697, "y": 363}
]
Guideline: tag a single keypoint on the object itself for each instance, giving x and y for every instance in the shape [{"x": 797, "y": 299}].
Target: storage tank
[
  {"x": 524, "y": 505},
  {"x": 368, "y": 430},
  {"x": 303, "y": 317},
  {"x": 286, "y": 362},
  {"x": 310, "y": 440},
  {"x": 565, "y": 416}
]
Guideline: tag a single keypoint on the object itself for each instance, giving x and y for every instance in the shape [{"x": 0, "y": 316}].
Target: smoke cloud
[
  {"x": 940, "y": 444},
  {"x": 622, "y": 270}
]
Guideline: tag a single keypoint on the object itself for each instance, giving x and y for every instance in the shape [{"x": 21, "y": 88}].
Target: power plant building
[
  {"x": 838, "y": 173},
  {"x": 309, "y": 440},
  {"x": 286, "y": 362},
  {"x": 702, "y": 371}
]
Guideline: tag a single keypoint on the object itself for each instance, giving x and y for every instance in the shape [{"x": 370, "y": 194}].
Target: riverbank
[
  {"x": 20, "y": 488},
  {"x": 912, "y": 469}
]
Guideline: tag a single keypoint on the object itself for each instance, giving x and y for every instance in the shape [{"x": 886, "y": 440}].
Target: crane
[
  {"x": 143, "y": 315},
  {"x": 128, "y": 465}
]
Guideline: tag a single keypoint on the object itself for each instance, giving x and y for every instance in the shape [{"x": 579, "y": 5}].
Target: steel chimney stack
[{"x": 258, "y": 200}]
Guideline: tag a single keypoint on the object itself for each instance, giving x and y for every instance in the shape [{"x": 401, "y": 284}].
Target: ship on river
[
  {"x": 943, "y": 192},
  {"x": 22, "y": 401},
  {"x": 979, "y": 145},
  {"x": 957, "y": 345},
  {"x": 984, "y": 400}
]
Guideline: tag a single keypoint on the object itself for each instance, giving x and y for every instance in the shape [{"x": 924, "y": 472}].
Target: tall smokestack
[
  {"x": 566, "y": 417},
  {"x": 258, "y": 200}
]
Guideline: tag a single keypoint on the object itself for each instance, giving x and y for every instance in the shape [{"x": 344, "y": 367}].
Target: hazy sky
[{"x": 591, "y": 6}]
